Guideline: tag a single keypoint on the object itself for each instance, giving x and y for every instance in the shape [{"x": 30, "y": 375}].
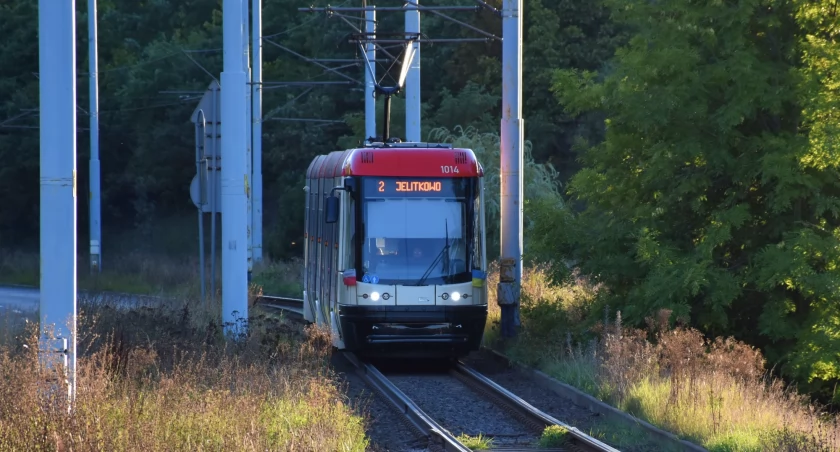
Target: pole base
[
  {"x": 507, "y": 324},
  {"x": 507, "y": 295}
]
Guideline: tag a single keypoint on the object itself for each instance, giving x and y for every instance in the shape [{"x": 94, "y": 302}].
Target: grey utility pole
[
  {"x": 234, "y": 169},
  {"x": 57, "y": 87},
  {"x": 256, "y": 131},
  {"x": 510, "y": 276},
  {"x": 249, "y": 133},
  {"x": 370, "y": 76},
  {"x": 412, "y": 86},
  {"x": 95, "y": 194}
]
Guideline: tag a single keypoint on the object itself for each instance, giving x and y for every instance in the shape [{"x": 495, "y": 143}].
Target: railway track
[
  {"x": 428, "y": 427},
  {"x": 293, "y": 306}
]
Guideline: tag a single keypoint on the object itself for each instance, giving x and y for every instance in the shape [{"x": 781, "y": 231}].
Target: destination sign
[
  {"x": 388, "y": 186},
  {"x": 412, "y": 186}
]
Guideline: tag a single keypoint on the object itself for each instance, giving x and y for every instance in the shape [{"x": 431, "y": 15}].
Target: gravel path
[{"x": 459, "y": 409}]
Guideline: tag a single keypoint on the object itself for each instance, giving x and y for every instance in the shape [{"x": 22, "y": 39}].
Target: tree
[
  {"x": 540, "y": 179},
  {"x": 715, "y": 190}
]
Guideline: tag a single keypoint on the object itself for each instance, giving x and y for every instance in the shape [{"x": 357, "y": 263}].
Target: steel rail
[
  {"x": 288, "y": 304},
  {"x": 419, "y": 420},
  {"x": 525, "y": 410},
  {"x": 423, "y": 423}
]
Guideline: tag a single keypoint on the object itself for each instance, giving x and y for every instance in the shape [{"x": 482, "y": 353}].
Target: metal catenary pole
[
  {"x": 200, "y": 152},
  {"x": 214, "y": 186},
  {"x": 249, "y": 138},
  {"x": 373, "y": 43},
  {"x": 95, "y": 192},
  {"x": 370, "y": 78},
  {"x": 256, "y": 134},
  {"x": 412, "y": 85},
  {"x": 349, "y": 9},
  {"x": 234, "y": 171},
  {"x": 57, "y": 80},
  {"x": 511, "y": 167}
]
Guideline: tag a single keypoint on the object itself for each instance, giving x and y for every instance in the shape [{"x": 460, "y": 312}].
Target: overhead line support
[
  {"x": 58, "y": 185},
  {"x": 95, "y": 214},
  {"x": 347, "y": 9},
  {"x": 234, "y": 137},
  {"x": 511, "y": 169}
]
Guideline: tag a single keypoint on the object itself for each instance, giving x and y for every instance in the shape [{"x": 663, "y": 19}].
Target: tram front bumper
[{"x": 402, "y": 329}]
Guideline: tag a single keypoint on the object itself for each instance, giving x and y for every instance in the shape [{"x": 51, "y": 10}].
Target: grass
[
  {"x": 282, "y": 279},
  {"x": 165, "y": 379},
  {"x": 714, "y": 392},
  {"x": 152, "y": 274},
  {"x": 553, "y": 436},
  {"x": 479, "y": 442}
]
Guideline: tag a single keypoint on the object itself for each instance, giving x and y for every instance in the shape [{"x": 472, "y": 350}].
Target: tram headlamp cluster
[{"x": 455, "y": 296}]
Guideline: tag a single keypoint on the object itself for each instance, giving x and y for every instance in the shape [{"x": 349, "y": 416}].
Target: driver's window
[{"x": 350, "y": 237}]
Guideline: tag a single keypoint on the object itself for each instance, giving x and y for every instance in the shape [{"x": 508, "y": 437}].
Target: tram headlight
[
  {"x": 456, "y": 296},
  {"x": 374, "y": 296}
]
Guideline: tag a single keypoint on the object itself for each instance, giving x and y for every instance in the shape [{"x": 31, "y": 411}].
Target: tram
[{"x": 395, "y": 249}]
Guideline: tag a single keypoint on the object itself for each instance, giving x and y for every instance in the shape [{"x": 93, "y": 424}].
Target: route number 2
[{"x": 446, "y": 169}]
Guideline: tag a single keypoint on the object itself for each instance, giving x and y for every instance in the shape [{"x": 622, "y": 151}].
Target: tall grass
[
  {"x": 714, "y": 392},
  {"x": 165, "y": 379}
]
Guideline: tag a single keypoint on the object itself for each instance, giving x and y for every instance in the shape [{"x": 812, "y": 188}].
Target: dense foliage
[
  {"x": 149, "y": 49},
  {"x": 715, "y": 192},
  {"x": 707, "y": 179}
]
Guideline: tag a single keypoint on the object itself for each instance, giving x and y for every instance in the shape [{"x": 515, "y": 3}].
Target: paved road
[
  {"x": 29, "y": 298},
  {"x": 19, "y": 298}
]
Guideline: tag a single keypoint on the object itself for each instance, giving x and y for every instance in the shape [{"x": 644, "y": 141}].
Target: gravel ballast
[
  {"x": 385, "y": 428},
  {"x": 461, "y": 410}
]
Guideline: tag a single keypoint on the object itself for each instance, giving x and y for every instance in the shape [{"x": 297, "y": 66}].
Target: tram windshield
[{"x": 418, "y": 231}]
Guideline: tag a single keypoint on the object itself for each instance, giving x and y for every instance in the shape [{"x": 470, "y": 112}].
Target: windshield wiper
[
  {"x": 441, "y": 254},
  {"x": 446, "y": 257}
]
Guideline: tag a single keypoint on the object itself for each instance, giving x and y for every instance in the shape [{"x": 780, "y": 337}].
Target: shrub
[
  {"x": 165, "y": 379},
  {"x": 715, "y": 392}
]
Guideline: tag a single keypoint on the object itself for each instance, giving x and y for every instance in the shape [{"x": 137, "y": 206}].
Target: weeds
[
  {"x": 479, "y": 442},
  {"x": 281, "y": 279},
  {"x": 553, "y": 436},
  {"x": 713, "y": 392},
  {"x": 166, "y": 379}
]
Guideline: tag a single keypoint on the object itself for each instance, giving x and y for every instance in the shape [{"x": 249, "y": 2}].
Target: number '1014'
[{"x": 446, "y": 169}]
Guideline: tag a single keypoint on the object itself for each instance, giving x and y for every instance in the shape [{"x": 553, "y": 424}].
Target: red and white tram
[{"x": 395, "y": 260}]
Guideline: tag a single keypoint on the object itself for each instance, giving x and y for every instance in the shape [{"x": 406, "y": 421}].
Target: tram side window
[{"x": 477, "y": 233}]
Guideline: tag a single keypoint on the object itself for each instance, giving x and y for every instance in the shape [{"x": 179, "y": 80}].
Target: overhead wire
[{"x": 181, "y": 51}]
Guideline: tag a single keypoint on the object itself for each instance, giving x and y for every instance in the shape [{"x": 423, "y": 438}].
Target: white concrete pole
[
  {"x": 234, "y": 170},
  {"x": 412, "y": 85},
  {"x": 57, "y": 80}
]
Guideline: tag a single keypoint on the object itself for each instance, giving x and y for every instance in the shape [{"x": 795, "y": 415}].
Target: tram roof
[{"x": 398, "y": 159}]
